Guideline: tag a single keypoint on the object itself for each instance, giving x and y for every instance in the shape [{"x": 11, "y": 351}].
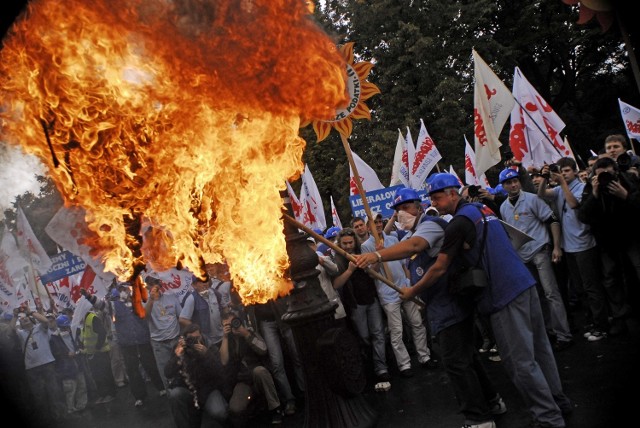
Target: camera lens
[{"x": 236, "y": 323}]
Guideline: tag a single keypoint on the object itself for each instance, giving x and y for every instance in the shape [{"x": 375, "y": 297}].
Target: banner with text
[
  {"x": 380, "y": 201},
  {"x": 64, "y": 264}
]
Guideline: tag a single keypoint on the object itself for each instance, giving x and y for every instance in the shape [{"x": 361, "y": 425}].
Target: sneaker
[
  {"x": 497, "y": 406},
  {"x": 486, "y": 345},
  {"x": 588, "y": 329},
  {"x": 107, "y": 399},
  {"x": 276, "y": 417},
  {"x": 561, "y": 345},
  {"x": 406, "y": 372},
  {"x": 163, "y": 393},
  {"x": 488, "y": 424},
  {"x": 138, "y": 403},
  {"x": 290, "y": 408},
  {"x": 596, "y": 335}
]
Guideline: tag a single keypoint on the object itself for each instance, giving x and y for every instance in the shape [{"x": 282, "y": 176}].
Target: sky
[{"x": 18, "y": 175}]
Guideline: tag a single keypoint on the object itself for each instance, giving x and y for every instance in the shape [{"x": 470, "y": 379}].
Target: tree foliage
[{"x": 424, "y": 69}]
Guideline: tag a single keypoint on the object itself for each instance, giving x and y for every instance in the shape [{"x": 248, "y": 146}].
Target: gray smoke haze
[{"x": 18, "y": 175}]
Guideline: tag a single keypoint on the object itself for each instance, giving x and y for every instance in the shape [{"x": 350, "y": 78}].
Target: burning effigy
[{"x": 173, "y": 123}]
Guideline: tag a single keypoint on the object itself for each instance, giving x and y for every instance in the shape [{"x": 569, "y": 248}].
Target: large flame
[{"x": 181, "y": 115}]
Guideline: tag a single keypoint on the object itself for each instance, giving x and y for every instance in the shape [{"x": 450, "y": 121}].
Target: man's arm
[
  {"x": 342, "y": 279},
  {"x": 401, "y": 250}
]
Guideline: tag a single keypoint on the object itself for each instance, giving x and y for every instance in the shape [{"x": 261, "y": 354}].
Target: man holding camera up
[
  {"x": 242, "y": 351},
  {"x": 197, "y": 382},
  {"x": 578, "y": 244},
  {"x": 611, "y": 206}
]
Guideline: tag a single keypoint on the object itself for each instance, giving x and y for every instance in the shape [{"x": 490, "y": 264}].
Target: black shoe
[
  {"x": 384, "y": 377},
  {"x": 561, "y": 345},
  {"x": 406, "y": 372},
  {"x": 618, "y": 327},
  {"x": 276, "y": 417},
  {"x": 430, "y": 364}
]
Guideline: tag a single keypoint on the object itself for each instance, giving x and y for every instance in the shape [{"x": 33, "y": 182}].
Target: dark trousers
[
  {"x": 134, "y": 356},
  {"x": 100, "y": 365},
  {"x": 586, "y": 273},
  {"x": 472, "y": 386}
]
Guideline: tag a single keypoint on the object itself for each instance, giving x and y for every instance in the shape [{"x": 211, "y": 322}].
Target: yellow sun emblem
[{"x": 359, "y": 91}]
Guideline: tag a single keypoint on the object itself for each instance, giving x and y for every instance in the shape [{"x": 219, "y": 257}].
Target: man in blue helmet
[
  {"x": 331, "y": 234},
  {"x": 511, "y": 300},
  {"x": 450, "y": 320}
]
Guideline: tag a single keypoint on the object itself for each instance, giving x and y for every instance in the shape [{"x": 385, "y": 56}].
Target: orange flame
[{"x": 181, "y": 115}]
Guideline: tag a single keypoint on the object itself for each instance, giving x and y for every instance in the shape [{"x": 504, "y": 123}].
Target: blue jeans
[
  {"x": 367, "y": 319},
  {"x": 528, "y": 358},
  {"x": 542, "y": 269},
  {"x": 163, "y": 351},
  {"x": 271, "y": 333}
]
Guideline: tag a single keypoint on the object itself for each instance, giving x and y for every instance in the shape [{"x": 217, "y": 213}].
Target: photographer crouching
[
  {"x": 196, "y": 382},
  {"x": 611, "y": 206}
]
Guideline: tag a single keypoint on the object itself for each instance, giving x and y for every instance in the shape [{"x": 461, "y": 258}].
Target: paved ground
[{"x": 599, "y": 377}]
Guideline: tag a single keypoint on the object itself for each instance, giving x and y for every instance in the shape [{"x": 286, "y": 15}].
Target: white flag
[
  {"x": 631, "y": 119},
  {"x": 312, "y": 208},
  {"x": 425, "y": 159},
  {"x": 295, "y": 203},
  {"x": 12, "y": 268},
  {"x": 453, "y": 172},
  {"x": 400, "y": 169},
  {"x": 411, "y": 153},
  {"x": 368, "y": 176},
  {"x": 30, "y": 246},
  {"x": 535, "y": 128},
  {"x": 68, "y": 229},
  {"x": 470, "y": 175},
  {"x": 492, "y": 103},
  {"x": 334, "y": 215}
]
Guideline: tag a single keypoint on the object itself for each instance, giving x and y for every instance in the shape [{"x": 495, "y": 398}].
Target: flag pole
[
  {"x": 365, "y": 203},
  {"x": 348, "y": 256},
  {"x": 537, "y": 126}
]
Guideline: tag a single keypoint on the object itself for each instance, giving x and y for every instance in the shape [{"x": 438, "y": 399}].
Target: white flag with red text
[
  {"x": 400, "y": 169},
  {"x": 492, "y": 104},
  {"x": 334, "y": 214},
  {"x": 470, "y": 175},
  {"x": 631, "y": 119},
  {"x": 295, "y": 203},
  {"x": 368, "y": 176},
  {"x": 425, "y": 159},
  {"x": 534, "y": 137},
  {"x": 312, "y": 207},
  {"x": 30, "y": 246}
]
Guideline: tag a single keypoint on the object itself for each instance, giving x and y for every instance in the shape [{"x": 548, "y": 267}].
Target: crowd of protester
[{"x": 220, "y": 363}]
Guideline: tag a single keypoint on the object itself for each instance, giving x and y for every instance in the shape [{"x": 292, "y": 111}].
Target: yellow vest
[{"x": 90, "y": 337}]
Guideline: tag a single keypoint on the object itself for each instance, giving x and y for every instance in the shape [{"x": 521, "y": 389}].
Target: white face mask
[{"x": 406, "y": 220}]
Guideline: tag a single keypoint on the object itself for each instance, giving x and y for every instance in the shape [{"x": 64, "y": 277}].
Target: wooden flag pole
[
  {"x": 346, "y": 255},
  {"x": 365, "y": 203}
]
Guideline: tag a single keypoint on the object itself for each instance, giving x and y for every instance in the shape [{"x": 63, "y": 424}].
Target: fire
[{"x": 180, "y": 116}]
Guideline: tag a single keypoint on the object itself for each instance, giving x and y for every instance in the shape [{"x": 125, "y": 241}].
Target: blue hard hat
[
  {"x": 63, "y": 321},
  {"x": 406, "y": 194},
  {"x": 332, "y": 232},
  {"x": 507, "y": 174},
  {"x": 318, "y": 231},
  {"x": 440, "y": 181}
]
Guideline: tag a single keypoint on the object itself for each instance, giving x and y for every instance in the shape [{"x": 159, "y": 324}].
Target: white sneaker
[
  {"x": 163, "y": 393},
  {"x": 488, "y": 424},
  {"x": 138, "y": 403}
]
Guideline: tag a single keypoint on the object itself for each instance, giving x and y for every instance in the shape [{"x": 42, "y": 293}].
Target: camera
[
  {"x": 554, "y": 168},
  {"x": 190, "y": 341},
  {"x": 473, "y": 191},
  {"x": 604, "y": 178},
  {"x": 236, "y": 323},
  {"x": 624, "y": 162}
]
